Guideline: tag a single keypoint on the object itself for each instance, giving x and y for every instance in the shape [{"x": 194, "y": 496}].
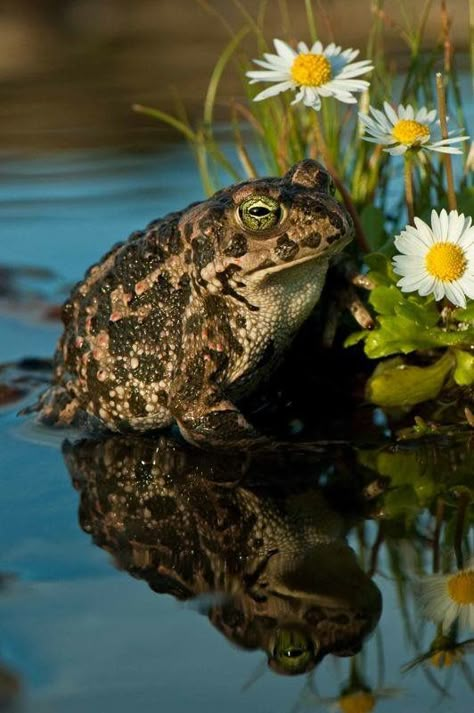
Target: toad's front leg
[{"x": 215, "y": 422}]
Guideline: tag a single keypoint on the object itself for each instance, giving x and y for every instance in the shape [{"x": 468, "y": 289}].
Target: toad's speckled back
[{"x": 189, "y": 314}]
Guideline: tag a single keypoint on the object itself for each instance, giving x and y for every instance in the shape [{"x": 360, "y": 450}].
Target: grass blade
[{"x": 166, "y": 119}]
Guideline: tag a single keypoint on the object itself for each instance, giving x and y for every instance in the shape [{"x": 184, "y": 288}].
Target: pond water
[{"x": 140, "y": 574}]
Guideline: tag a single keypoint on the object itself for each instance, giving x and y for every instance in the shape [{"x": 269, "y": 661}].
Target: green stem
[
  {"x": 346, "y": 197},
  {"x": 408, "y": 178},
  {"x": 471, "y": 33},
  {"x": 311, "y": 21},
  {"x": 444, "y": 134}
]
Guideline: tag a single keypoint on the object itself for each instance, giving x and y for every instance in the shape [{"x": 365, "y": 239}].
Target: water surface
[{"x": 141, "y": 574}]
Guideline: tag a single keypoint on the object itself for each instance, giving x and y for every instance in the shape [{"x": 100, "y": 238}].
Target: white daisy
[
  {"x": 312, "y": 72},
  {"x": 447, "y": 597},
  {"x": 437, "y": 260},
  {"x": 404, "y": 129}
]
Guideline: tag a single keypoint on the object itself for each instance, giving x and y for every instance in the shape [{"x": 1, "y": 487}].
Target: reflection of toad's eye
[
  {"x": 260, "y": 213},
  {"x": 293, "y": 651}
]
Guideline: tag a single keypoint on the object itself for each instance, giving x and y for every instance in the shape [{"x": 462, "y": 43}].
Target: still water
[{"x": 140, "y": 574}]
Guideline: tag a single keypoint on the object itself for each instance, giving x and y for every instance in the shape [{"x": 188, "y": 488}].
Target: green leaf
[
  {"x": 407, "y": 322},
  {"x": 355, "y": 338},
  {"x": 460, "y": 338},
  {"x": 398, "y": 334},
  {"x": 465, "y": 315},
  {"x": 385, "y": 299},
  {"x": 424, "y": 315},
  {"x": 395, "y": 384},
  {"x": 380, "y": 269},
  {"x": 464, "y": 371}
]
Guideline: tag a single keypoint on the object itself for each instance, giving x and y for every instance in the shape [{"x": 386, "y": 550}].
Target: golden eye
[{"x": 260, "y": 213}]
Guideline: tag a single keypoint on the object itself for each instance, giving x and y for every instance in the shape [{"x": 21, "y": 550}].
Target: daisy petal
[
  {"x": 272, "y": 91},
  {"x": 284, "y": 50}
]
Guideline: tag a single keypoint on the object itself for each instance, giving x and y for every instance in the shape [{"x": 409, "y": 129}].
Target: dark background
[{"x": 71, "y": 69}]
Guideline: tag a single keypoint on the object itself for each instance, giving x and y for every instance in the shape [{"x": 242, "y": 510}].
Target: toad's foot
[
  {"x": 221, "y": 426},
  {"x": 224, "y": 427}
]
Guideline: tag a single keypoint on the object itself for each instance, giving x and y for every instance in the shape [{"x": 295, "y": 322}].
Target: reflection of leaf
[
  {"x": 464, "y": 371},
  {"x": 420, "y": 473},
  {"x": 394, "y": 384},
  {"x": 401, "y": 503}
]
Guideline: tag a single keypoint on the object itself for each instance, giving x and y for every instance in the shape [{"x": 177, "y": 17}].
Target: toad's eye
[{"x": 260, "y": 213}]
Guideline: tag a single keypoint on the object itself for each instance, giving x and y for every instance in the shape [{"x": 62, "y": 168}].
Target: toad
[{"x": 186, "y": 317}]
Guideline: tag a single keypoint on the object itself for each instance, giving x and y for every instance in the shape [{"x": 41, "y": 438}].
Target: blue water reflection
[{"x": 81, "y": 634}]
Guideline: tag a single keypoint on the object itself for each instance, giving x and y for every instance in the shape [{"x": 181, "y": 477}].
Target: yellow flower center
[
  {"x": 311, "y": 70},
  {"x": 409, "y": 132},
  {"x": 461, "y": 587},
  {"x": 446, "y": 261},
  {"x": 446, "y": 658},
  {"x": 359, "y": 702}
]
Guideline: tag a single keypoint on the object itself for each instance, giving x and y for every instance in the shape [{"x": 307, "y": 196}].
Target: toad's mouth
[{"x": 263, "y": 271}]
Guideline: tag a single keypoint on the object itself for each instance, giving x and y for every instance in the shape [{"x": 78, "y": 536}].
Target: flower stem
[
  {"x": 408, "y": 177},
  {"x": 437, "y": 533},
  {"x": 311, "y": 21},
  {"x": 464, "y": 501},
  {"x": 346, "y": 197},
  {"x": 444, "y": 134}
]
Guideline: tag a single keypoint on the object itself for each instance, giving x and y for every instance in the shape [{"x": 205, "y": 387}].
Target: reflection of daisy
[
  {"x": 437, "y": 259},
  {"x": 447, "y": 597},
  {"x": 403, "y": 129},
  {"x": 354, "y": 697},
  {"x": 312, "y": 72},
  {"x": 356, "y": 702},
  {"x": 444, "y": 651},
  {"x": 358, "y": 698}
]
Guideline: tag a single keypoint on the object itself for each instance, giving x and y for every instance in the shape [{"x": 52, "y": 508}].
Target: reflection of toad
[{"x": 273, "y": 551}]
